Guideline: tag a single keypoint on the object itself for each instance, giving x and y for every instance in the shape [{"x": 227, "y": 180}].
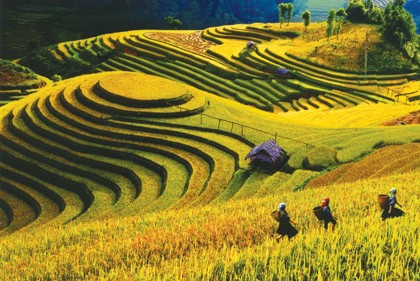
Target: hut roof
[
  {"x": 268, "y": 151},
  {"x": 281, "y": 71}
]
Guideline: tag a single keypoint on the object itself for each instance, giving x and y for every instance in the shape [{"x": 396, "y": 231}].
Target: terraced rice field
[
  {"x": 233, "y": 240},
  {"x": 126, "y": 142},
  {"x": 390, "y": 160},
  {"x": 83, "y": 146},
  {"x": 216, "y": 60},
  {"x": 138, "y": 172}
]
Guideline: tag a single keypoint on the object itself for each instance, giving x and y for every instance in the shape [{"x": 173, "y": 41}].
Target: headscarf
[
  {"x": 281, "y": 206},
  {"x": 392, "y": 192}
]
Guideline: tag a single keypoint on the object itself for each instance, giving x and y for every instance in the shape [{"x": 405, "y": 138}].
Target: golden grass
[
  {"x": 343, "y": 52},
  {"x": 361, "y": 116},
  {"x": 138, "y": 86},
  {"x": 232, "y": 241}
]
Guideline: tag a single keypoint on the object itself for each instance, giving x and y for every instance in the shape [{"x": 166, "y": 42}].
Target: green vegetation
[
  {"x": 306, "y": 18},
  {"x": 16, "y": 72},
  {"x": 397, "y": 24},
  {"x": 141, "y": 171},
  {"x": 330, "y": 23},
  {"x": 174, "y": 23},
  {"x": 356, "y": 11},
  {"x": 42, "y": 61},
  {"x": 399, "y": 29}
]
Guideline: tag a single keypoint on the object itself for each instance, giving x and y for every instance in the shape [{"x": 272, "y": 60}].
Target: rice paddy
[{"x": 138, "y": 172}]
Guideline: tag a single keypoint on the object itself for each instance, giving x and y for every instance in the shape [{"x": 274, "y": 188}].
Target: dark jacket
[{"x": 285, "y": 227}]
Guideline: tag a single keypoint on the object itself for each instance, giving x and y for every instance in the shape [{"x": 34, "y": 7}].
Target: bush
[
  {"x": 384, "y": 58},
  {"x": 375, "y": 15},
  {"x": 320, "y": 158},
  {"x": 356, "y": 11},
  {"x": 56, "y": 78},
  {"x": 16, "y": 70}
]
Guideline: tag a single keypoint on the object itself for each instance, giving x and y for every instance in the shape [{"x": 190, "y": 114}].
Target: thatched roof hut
[
  {"x": 268, "y": 156},
  {"x": 282, "y": 73}
]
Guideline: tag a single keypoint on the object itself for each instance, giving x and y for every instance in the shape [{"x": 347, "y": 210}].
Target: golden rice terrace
[{"x": 81, "y": 149}]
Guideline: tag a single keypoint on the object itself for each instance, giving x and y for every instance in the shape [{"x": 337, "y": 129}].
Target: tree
[
  {"x": 306, "y": 17},
  {"x": 341, "y": 14},
  {"x": 368, "y": 4},
  {"x": 330, "y": 23},
  {"x": 356, "y": 11},
  {"x": 375, "y": 15},
  {"x": 399, "y": 28},
  {"x": 289, "y": 12},
  {"x": 282, "y": 11},
  {"x": 173, "y": 22}
]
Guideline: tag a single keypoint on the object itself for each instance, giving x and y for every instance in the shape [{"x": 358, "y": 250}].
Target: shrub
[
  {"x": 320, "y": 158},
  {"x": 356, "y": 11},
  {"x": 56, "y": 78},
  {"x": 384, "y": 58},
  {"x": 18, "y": 71}
]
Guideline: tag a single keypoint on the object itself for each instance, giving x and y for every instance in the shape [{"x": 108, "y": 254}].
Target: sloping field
[
  {"x": 135, "y": 176},
  {"x": 319, "y": 8},
  {"x": 392, "y": 160},
  {"x": 130, "y": 143},
  {"x": 138, "y": 172},
  {"x": 17, "y": 82},
  {"x": 233, "y": 241},
  {"x": 216, "y": 60},
  {"x": 354, "y": 117}
]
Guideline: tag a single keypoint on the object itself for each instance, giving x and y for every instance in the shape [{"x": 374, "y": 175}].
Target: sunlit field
[
  {"x": 233, "y": 240},
  {"x": 139, "y": 168}
]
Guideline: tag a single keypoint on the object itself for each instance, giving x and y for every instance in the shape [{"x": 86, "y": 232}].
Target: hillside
[
  {"x": 232, "y": 240},
  {"x": 128, "y": 142},
  {"x": 137, "y": 171},
  {"x": 17, "y": 81},
  {"x": 217, "y": 60}
]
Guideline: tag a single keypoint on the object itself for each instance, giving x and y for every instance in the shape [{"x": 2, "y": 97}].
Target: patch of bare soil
[
  {"x": 10, "y": 77},
  {"x": 411, "y": 118},
  {"x": 190, "y": 41},
  {"x": 10, "y": 81}
]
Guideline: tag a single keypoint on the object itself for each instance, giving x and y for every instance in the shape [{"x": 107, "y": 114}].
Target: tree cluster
[
  {"x": 285, "y": 8},
  {"x": 399, "y": 29},
  {"x": 335, "y": 22},
  {"x": 397, "y": 24},
  {"x": 364, "y": 12}
]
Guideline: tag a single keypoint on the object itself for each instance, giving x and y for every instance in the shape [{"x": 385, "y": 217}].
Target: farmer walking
[
  {"x": 285, "y": 226},
  {"x": 327, "y": 214},
  {"x": 390, "y": 210}
]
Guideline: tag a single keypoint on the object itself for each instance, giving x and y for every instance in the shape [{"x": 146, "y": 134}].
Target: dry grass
[{"x": 345, "y": 52}]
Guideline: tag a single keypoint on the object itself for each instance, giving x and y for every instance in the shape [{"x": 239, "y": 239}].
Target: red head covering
[{"x": 324, "y": 203}]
